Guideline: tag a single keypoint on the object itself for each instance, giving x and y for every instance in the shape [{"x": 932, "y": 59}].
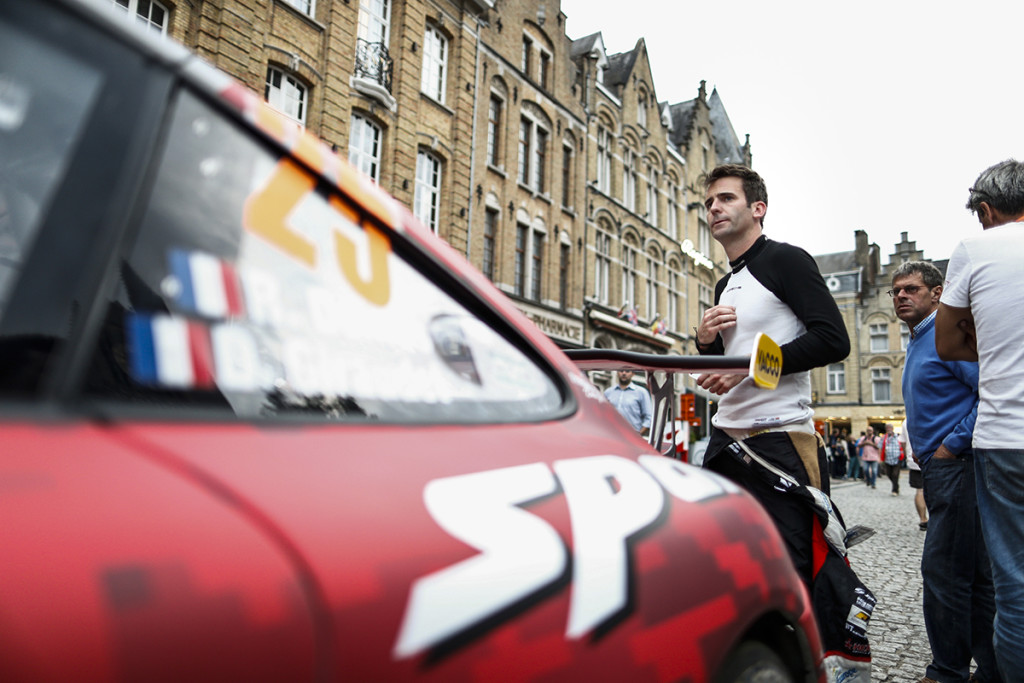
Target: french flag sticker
[
  {"x": 170, "y": 351},
  {"x": 208, "y": 286}
]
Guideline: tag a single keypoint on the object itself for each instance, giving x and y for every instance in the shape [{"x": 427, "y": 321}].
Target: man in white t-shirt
[{"x": 980, "y": 319}]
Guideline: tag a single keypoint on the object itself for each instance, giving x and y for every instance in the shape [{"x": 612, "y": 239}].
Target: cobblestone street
[{"x": 889, "y": 564}]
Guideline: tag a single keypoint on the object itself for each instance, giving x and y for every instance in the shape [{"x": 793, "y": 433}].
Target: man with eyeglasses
[
  {"x": 979, "y": 319},
  {"x": 941, "y": 399}
]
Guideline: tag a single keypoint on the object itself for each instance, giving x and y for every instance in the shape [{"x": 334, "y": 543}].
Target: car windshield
[{"x": 252, "y": 285}]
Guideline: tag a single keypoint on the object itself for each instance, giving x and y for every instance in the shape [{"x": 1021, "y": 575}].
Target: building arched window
[
  {"x": 602, "y": 263},
  {"x": 286, "y": 94},
  {"x": 364, "y": 146},
  {"x": 427, "y": 198},
  {"x": 151, "y": 14}
]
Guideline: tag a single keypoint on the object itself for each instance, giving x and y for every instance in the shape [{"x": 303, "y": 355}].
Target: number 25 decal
[
  {"x": 267, "y": 213},
  {"x": 521, "y": 554}
]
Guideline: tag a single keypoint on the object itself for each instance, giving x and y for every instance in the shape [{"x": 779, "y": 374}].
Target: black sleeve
[
  {"x": 717, "y": 347},
  {"x": 802, "y": 288}
]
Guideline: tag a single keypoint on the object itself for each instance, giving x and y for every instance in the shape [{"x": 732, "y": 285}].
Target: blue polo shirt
[{"x": 633, "y": 403}]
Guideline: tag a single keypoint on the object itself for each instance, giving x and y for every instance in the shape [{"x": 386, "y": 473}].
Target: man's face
[
  {"x": 625, "y": 377},
  {"x": 729, "y": 217},
  {"x": 913, "y": 300}
]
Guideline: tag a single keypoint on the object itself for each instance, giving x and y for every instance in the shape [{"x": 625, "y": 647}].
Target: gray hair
[
  {"x": 930, "y": 275},
  {"x": 1001, "y": 187}
]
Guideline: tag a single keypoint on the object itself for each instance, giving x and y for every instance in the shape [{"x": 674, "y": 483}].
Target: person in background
[
  {"x": 837, "y": 444},
  {"x": 941, "y": 399},
  {"x": 979, "y": 320},
  {"x": 869, "y": 456},
  {"x": 632, "y": 402},
  {"x": 892, "y": 453},
  {"x": 916, "y": 481},
  {"x": 853, "y": 451}
]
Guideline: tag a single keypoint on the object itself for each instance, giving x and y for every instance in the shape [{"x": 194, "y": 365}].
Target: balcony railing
[{"x": 374, "y": 63}]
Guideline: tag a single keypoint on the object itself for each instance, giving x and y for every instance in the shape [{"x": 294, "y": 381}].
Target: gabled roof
[
  {"x": 682, "y": 120},
  {"x": 620, "y": 66},
  {"x": 727, "y": 145},
  {"x": 838, "y": 262},
  {"x": 586, "y": 45}
]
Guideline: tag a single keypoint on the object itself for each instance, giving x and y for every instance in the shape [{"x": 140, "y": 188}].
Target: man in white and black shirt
[{"x": 774, "y": 288}]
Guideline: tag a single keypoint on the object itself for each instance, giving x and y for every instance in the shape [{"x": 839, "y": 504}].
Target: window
[
  {"x": 604, "y": 159},
  {"x": 602, "y": 265},
  {"x": 904, "y": 337},
  {"x": 629, "y": 177},
  {"x": 652, "y": 286},
  {"x": 364, "y": 146},
  {"x": 522, "y": 236},
  {"x": 672, "y": 319},
  {"x": 533, "y": 150},
  {"x": 836, "y": 378},
  {"x": 629, "y": 275},
  {"x": 304, "y": 6},
  {"x": 545, "y": 70},
  {"x": 494, "y": 114},
  {"x": 672, "y": 214},
  {"x": 285, "y": 94},
  {"x": 880, "y": 385},
  {"x": 374, "y": 66},
  {"x": 374, "y": 20},
  {"x": 563, "y": 275},
  {"x": 879, "y": 334},
  {"x": 268, "y": 337},
  {"x": 567, "y": 188},
  {"x": 435, "y": 63},
  {"x": 490, "y": 235},
  {"x": 536, "y": 264},
  {"x": 652, "y": 198},
  {"x": 705, "y": 299},
  {"x": 641, "y": 109},
  {"x": 427, "y": 198},
  {"x": 527, "y": 62},
  {"x": 703, "y": 237},
  {"x": 149, "y": 13}
]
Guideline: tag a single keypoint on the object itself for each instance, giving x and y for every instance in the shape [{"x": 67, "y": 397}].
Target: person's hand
[
  {"x": 714, "y": 320},
  {"x": 719, "y": 384},
  {"x": 943, "y": 453}
]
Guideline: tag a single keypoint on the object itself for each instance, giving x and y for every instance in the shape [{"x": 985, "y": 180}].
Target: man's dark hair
[
  {"x": 1001, "y": 187},
  {"x": 930, "y": 275},
  {"x": 753, "y": 184}
]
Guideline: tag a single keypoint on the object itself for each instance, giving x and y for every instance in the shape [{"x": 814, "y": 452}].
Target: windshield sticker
[{"x": 203, "y": 284}]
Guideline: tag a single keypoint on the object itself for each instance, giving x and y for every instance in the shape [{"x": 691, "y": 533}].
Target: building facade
[
  {"x": 549, "y": 163},
  {"x": 865, "y": 389}
]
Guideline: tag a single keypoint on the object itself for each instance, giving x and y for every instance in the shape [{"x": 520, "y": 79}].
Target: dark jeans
[
  {"x": 959, "y": 597},
  {"x": 894, "y": 476}
]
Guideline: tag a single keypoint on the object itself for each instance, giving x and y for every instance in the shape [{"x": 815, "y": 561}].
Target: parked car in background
[{"x": 259, "y": 424}]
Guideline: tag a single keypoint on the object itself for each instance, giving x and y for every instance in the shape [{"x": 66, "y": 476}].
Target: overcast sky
[{"x": 876, "y": 115}]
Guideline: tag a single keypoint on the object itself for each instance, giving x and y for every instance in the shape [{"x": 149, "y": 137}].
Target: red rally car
[{"x": 258, "y": 424}]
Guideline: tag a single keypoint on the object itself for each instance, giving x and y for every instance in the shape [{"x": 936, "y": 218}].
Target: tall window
[
  {"x": 563, "y": 275},
  {"x": 304, "y": 6},
  {"x": 522, "y": 236},
  {"x": 602, "y": 265},
  {"x": 374, "y": 20},
  {"x": 629, "y": 275},
  {"x": 490, "y": 235},
  {"x": 545, "y": 70},
  {"x": 525, "y": 133},
  {"x": 427, "y": 199},
  {"x": 879, "y": 334},
  {"x": 672, "y": 214},
  {"x": 904, "y": 336},
  {"x": 567, "y": 188},
  {"x": 705, "y": 299},
  {"x": 285, "y": 94},
  {"x": 652, "y": 198},
  {"x": 629, "y": 176},
  {"x": 149, "y": 13},
  {"x": 880, "y": 392},
  {"x": 364, "y": 146},
  {"x": 641, "y": 109},
  {"x": 672, "y": 317},
  {"x": 533, "y": 152},
  {"x": 527, "y": 63},
  {"x": 703, "y": 238},
  {"x": 604, "y": 159},
  {"x": 837, "y": 378},
  {"x": 653, "y": 276},
  {"x": 494, "y": 116},
  {"x": 435, "y": 63},
  {"x": 536, "y": 264}
]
